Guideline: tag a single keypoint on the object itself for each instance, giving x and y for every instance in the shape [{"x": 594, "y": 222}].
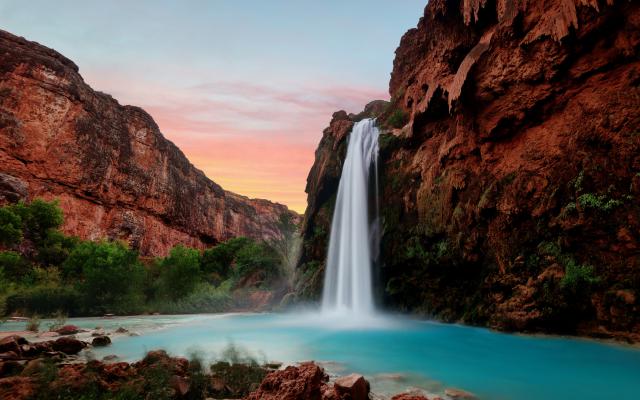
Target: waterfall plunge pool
[{"x": 394, "y": 353}]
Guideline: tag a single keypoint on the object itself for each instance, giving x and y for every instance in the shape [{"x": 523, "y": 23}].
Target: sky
[{"x": 243, "y": 87}]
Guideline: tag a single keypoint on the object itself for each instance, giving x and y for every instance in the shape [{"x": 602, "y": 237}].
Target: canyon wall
[
  {"x": 510, "y": 169},
  {"x": 113, "y": 172}
]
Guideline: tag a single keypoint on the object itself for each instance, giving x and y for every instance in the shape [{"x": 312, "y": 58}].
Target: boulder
[
  {"x": 68, "y": 345},
  {"x": 101, "y": 341},
  {"x": 10, "y": 367},
  {"x": 33, "y": 367},
  {"x": 12, "y": 343},
  {"x": 353, "y": 387},
  {"x": 306, "y": 381},
  {"x": 68, "y": 330},
  {"x": 180, "y": 385},
  {"x": 17, "y": 388}
]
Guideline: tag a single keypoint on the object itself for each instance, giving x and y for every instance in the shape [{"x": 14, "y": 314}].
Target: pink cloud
[{"x": 253, "y": 139}]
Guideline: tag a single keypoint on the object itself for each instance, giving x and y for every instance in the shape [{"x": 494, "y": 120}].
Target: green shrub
[
  {"x": 578, "y": 279},
  {"x": 397, "y": 119},
  {"x": 56, "y": 247},
  {"x": 217, "y": 261},
  {"x": 10, "y": 227},
  {"x": 45, "y": 300},
  {"x": 15, "y": 267},
  {"x": 255, "y": 257},
  {"x": 111, "y": 276},
  {"x": 38, "y": 217},
  {"x": 180, "y": 272},
  {"x": 33, "y": 324},
  {"x": 204, "y": 299},
  {"x": 598, "y": 202}
]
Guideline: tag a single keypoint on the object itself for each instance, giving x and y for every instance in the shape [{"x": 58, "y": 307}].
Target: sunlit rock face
[
  {"x": 509, "y": 197},
  {"x": 115, "y": 174}
]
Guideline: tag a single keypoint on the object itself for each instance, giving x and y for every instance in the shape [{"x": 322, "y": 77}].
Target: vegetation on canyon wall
[{"x": 43, "y": 271}]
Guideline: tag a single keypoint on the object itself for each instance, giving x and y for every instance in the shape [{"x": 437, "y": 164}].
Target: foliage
[
  {"x": 180, "y": 272},
  {"x": 254, "y": 257},
  {"x": 578, "y": 279},
  {"x": 55, "y": 248},
  {"x": 15, "y": 267},
  {"x": 204, "y": 299},
  {"x": 217, "y": 261},
  {"x": 39, "y": 217},
  {"x": 397, "y": 119},
  {"x": 10, "y": 227},
  {"x": 45, "y": 300},
  {"x": 112, "y": 275},
  {"x": 598, "y": 202},
  {"x": 60, "y": 320},
  {"x": 33, "y": 324}
]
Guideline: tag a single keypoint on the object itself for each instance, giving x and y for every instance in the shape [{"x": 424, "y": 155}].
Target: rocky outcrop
[
  {"x": 114, "y": 173},
  {"x": 510, "y": 196}
]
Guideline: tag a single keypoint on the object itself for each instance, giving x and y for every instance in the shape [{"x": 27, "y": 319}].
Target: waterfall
[{"x": 354, "y": 241}]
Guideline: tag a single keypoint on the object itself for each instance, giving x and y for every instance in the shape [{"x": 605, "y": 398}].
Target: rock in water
[
  {"x": 101, "y": 341},
  {"x": 353, "y": 387},
  {"x": 68, "y": 330},
  {"x": 68, "y": 345}
]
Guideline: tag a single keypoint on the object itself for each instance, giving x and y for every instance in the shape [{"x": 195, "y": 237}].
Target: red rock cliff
[
  {"x": 114, "y": 172},
  {"x": 510, "y": 198}
]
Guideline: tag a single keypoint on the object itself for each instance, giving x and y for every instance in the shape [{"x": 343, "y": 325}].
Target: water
[
  {"x": 347, "y": 284},
  {"x": 396, "y": 353}
]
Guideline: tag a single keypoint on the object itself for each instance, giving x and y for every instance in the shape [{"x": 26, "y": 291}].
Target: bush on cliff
[{"x": 218, "y": 260}]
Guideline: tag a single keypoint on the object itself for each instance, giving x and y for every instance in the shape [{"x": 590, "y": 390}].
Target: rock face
[
  {"x": 510, "y": 196},
  {"x": 115, "y": 174}
]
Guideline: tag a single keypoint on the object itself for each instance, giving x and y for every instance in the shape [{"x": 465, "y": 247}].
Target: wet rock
[
  {"x": 101, "y": 341},
  {"x": 121, "y": 330},
  {"x": 33, "y": 367},
  {"x": 17, "y": 388},
  {"x": 68, "y": 330},
  {"x": 180, "y": 385},
  {"x": 110, "y": 358},
  {"x": 12, "y": 344},
  {"x": 10, "y": 367},
  {"x": 68, "y": 345},
  {"x": 306, "y": 381},
  {"x": 460, "y": 394},
  {"x": 352, "y": 386}
]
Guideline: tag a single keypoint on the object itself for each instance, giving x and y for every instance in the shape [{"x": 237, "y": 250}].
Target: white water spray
[{"x": 354, "y": 241}]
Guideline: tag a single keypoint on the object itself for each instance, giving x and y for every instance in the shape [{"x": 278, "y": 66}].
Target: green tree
[
  {"x": 56, "y": 247},
  {"x": 14, "y": 266},
  {"x": 111, "y": 276},
  {"x": 217, "y": 261},
  {"x": 180, "y": 272},
  {"x": 10, "y": 227},
  {"x": 38, "y": 217},
  {"x": 257, "y": 257}
]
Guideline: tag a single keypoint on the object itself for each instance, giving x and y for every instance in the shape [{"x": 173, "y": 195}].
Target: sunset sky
[{"x": 243, "y": 87}]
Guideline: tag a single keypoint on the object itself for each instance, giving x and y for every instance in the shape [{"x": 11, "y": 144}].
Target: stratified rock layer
[
  {"x": 510, "y": 198},
  {"x": 115, "y": 174}
]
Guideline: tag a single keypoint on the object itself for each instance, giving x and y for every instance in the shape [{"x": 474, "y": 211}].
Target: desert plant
[{"x": 33, "y": 324}]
